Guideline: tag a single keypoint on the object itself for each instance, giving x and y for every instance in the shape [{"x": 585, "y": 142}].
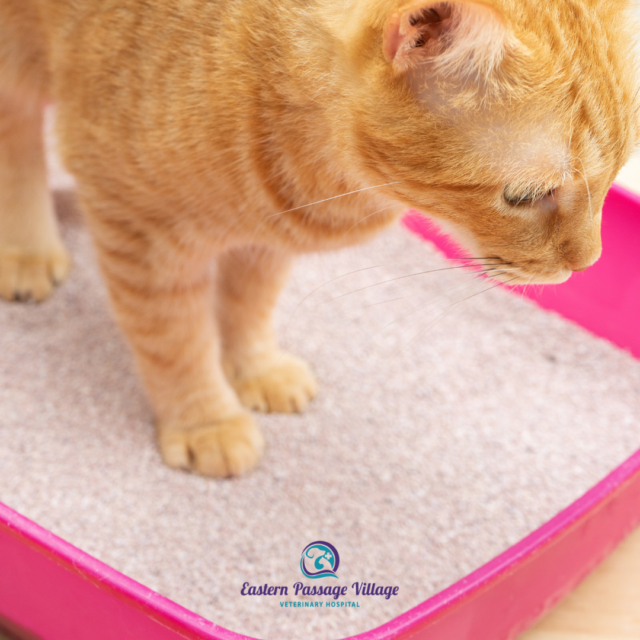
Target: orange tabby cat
[{"x": 202, "y": 129}]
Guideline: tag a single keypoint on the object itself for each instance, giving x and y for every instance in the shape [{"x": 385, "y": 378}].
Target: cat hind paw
[
  {"x": 28, "y": 276},
  {"x": 287, "y": 386}
]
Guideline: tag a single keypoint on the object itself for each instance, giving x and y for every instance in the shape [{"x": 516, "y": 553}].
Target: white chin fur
[{"x": 561, "y": 276}]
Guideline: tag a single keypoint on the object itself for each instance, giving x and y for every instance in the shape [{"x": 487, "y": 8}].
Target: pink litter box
[{"x": 51, "y": 590}]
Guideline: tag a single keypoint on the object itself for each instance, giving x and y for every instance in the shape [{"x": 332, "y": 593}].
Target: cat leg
[
  {"x": 32, "y": 257},
  {"x": 163, "y": 300},
  {"x": 264, "y": 377}
]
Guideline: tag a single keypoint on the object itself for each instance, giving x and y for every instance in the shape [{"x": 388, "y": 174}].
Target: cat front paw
[
  {"x": 28, "y": 276},
  {"x": 223, "y": 448},
  {"x": 286, "y": 386}
]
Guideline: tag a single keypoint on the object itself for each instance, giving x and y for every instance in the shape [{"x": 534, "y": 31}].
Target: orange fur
[{"x": 233, "y": 130}]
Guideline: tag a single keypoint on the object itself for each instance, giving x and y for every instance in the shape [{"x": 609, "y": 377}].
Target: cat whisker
[
  {"x": 586, "y": 182},
  {"x": 376, "y": 284},
  {"x": 455, "y": 304},
  {"x": 350, "y": 273},
  {"x": 481, "y": 262},
  {"x": 344, "y": 275},
  {"x": 474, "y": 275},
  {"x": 524, "y": 288},
  {"x": 481, "y": 258},
  {"x": 575, "y": 101},
  {"x": 342, "y": 195},
  {"x": 374, "y": 304},
  {"x": 365, "y": 218},
  {"x": 464, "y": 285},
  {"x": 430, "y": 303},
  {"x": 488, "y": 272},
  {"x": 635, "y": 97}
]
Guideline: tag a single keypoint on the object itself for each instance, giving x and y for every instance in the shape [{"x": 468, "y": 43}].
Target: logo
[{"x": 319, "y": 560}]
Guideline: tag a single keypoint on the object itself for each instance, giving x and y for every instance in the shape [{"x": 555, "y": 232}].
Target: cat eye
[{"x": 526, "y": 197}]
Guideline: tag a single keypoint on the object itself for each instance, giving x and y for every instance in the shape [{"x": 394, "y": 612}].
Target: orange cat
[{"x": 243, "y": 132}]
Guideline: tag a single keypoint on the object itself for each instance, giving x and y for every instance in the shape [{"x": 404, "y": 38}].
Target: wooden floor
[{"x": 606, "y": 606}]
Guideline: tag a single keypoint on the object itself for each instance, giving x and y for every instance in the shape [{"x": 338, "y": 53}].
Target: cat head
[{"x": 506, "y": 121}]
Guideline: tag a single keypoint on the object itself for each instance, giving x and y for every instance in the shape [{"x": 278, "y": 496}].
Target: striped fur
[{"x": 243, "y": 132}]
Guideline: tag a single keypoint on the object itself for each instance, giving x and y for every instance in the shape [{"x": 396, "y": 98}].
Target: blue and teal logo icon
[{"x": 319, "y": 560}]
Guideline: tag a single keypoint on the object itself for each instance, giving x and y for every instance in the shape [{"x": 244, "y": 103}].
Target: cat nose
[
  {"x": 581, "y": 257},
  {"x": 583, "y": 262}
]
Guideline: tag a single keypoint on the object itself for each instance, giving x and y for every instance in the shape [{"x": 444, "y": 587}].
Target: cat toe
[
  {"x": 221, "y": 449},
  {"x": 32, "y": 276},
  {"x": 285, "y": 387}
]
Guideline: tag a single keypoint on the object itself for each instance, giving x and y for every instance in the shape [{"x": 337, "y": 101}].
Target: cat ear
[{"x": 451, "y": 35}]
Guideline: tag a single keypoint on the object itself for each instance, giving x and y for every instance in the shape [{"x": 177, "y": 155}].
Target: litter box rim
[{"x": 495, "y": 602}]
